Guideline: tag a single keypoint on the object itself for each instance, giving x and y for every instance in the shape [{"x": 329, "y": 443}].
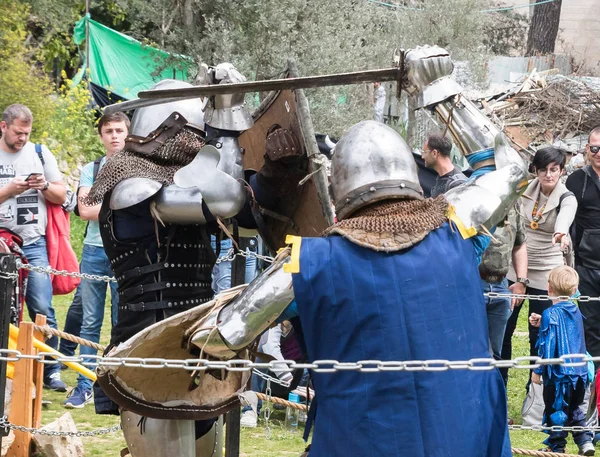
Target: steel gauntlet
[{"x": 226, "y": 111}]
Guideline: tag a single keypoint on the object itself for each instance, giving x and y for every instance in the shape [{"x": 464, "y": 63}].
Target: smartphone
[{"x": 32, "y": 175}]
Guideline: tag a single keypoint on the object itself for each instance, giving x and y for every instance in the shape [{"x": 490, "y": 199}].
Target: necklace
[{"x": 536, "y": 216}]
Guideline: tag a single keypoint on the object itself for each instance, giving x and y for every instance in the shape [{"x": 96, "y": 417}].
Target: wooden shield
[{"x": 314, "y": 212}]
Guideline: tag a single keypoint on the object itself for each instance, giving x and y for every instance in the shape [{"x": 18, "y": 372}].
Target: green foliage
[
  {"x": 63, "y": 121},
  {"x": 21, "y": 81},
  {"x": 260, "y": 36},
  {"x": 506, "y": 32},
  {"x": 70, "y": 133},
  {"x": 50, "y": 27}
]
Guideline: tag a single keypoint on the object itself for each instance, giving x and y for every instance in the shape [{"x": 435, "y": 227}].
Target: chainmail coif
[
  {"x": 393, "y": 225},
  {"x": 159, "y": 166}
]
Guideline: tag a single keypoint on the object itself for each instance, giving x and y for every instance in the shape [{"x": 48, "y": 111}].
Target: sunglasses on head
[{"x": 594, "y": 149}]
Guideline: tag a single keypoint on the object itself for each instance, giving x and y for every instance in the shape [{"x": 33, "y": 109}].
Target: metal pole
[
  {"x": 8, "y": 265},
  {"x": 232, "y": 421},
  {"x": 87, "y": 36}
]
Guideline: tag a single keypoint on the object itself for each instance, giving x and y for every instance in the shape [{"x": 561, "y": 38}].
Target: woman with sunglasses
[{"x": 549, "y": 209}]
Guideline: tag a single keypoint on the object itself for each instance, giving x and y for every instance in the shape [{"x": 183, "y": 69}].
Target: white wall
[{"x": 579, "y": 29}]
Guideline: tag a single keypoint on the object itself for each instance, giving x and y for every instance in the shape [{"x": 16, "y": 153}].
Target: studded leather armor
[{"x": 167, "y": 270}]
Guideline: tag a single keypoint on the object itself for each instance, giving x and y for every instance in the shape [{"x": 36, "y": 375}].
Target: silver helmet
[
  {"x": 372, "y": 162},
  {"x": 146, "y": 120}
]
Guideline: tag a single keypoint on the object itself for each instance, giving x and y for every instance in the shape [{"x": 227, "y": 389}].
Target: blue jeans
[
  {"x": 221, "y": 274},
  {"x": 498, "y": 312},
  {"x": 39, "y": 293},
  {"x": 93, "y": 296},
  {"x": 72, "y": 324}
]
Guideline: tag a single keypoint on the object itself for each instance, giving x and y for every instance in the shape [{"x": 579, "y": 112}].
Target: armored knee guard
[{"x": 158, "y": 437}]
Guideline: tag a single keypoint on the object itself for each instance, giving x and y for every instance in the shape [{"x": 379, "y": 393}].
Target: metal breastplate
[{"x": 174, "y": 273}]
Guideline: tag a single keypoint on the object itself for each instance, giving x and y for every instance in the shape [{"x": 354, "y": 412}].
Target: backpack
[{"x": 58, "y": 244}]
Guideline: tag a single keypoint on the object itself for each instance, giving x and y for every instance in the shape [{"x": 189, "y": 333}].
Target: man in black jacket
[{"x": 585, "y": 184}]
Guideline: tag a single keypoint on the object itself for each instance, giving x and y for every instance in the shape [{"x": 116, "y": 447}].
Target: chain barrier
[
  {"x": 583, "y": 298},
  {"x": 266, "y": 377},
  {"x": 318, "y": 366},
  {"x": 231, "y": 255},
  {"x": 267, "y": 410},
  {"x": 554, "y": 428},
  {"x": 5, "y": 424},
  {"x": 13, "y": 276},
  {"x": 52, "y": 271}
]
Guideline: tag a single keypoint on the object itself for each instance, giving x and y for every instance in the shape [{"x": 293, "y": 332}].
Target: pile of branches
[{"x": 557, "y": 105}]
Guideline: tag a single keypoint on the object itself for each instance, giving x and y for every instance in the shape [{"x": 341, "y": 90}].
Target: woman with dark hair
[{"x": 549, "y": 209}]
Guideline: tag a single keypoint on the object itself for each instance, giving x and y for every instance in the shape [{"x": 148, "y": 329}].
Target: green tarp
[{"x": 123, "y": 65}]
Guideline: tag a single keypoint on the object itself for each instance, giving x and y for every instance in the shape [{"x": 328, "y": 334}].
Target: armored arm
[
  {"x": 429, "y": 72},
  {"x": 240, "y": 322},
  {"x": 484, "y": 201}
]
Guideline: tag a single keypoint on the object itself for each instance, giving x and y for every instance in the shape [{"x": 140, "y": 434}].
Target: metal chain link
[
  {"x": 266, "y": 377},
  {"x": 583, "y": 298},
  {"x": 318, "y": 366},
  {"x": 229, "y": 257},
  {"x": 38, "y": 431},
  {"x": 267, "y": 410},
  {"x": 232, "y": 254},
  {"x": 52, "y": 271},
  {"x": 553, "y": 428},
  {"x": 13, "y": 276}
]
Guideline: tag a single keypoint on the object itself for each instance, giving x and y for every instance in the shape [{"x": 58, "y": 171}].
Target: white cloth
[
  {"x": 379, "y": 104},
  {"x": 26, "y": 213},
  {"x": 270, "y": 344}
]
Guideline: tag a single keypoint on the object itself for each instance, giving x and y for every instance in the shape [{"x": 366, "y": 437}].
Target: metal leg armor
[
  {"x": 158, "y": 438},
  {"x": 211, "y": 444}
]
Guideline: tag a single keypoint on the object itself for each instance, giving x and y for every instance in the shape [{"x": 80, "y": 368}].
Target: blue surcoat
[{"x": 421, "y": 303}]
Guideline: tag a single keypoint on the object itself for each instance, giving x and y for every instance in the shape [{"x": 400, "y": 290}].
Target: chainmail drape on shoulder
[
  {"x": 393, "y": 225},
  {"x": 159, "y": 166}
]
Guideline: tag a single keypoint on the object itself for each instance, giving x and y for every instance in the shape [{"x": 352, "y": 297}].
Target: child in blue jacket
[{"x": 561, "y": 333}]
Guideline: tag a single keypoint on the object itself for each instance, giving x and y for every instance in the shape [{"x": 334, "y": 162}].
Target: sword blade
[
  {"x": 138, "y": 103},
  {"x": 304, "y": 82}
]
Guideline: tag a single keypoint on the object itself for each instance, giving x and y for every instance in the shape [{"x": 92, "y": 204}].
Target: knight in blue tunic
[{"x": 395, "y": 280}]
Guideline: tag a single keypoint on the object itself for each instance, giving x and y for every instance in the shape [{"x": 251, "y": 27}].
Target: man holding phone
[{"x": 25, "y": 185}]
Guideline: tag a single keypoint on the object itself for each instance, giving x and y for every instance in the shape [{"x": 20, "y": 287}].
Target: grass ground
[{"x": 253, "y": 441}]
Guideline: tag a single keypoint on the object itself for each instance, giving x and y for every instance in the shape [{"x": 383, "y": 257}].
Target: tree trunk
[
  {"x": 188, "y": 15},
  {"x": 544, "y": 28}
]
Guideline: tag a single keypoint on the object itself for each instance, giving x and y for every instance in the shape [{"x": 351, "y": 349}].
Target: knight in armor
[
  {"x": 396, "y": 279},
  {"x": 161, "y": 196}
]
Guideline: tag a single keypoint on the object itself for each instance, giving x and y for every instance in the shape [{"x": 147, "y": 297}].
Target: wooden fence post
[
  {"x": 38, "y": 376},
  {"x": 21, "y": 411}
]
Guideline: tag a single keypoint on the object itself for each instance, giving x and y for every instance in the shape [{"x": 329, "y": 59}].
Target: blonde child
[{"x": 561, "y": 333}]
